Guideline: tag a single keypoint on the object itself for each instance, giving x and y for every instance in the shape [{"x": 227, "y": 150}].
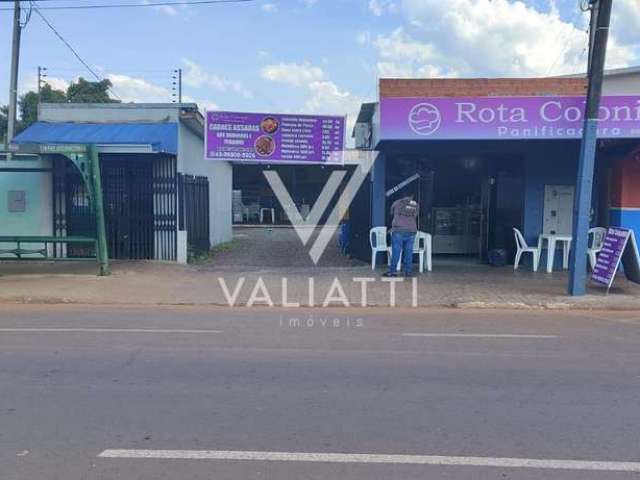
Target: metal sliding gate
[
  {"x": 165, "y": 208},
  {"x": 194, "y": 211},
  {"x": 140, "y": 206}
]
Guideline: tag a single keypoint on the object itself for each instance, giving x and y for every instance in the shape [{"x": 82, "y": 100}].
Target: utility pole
[
  {"x": 584, "y": 184},
  {"x": 41, "y": 81},
  {"x": 13, "y": 81},
  {"x": 177, "y": 83}
]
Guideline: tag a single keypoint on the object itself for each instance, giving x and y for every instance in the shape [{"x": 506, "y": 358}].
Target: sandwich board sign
[{"x": 619, "y": 246}]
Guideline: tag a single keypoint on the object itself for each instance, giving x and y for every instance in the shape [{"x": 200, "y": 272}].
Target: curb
[{"x": 473, "y": 305}]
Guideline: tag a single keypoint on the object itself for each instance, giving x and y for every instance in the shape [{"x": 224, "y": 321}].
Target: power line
[
  {"x": 68, "y": 45},
  {"x": 137, "y": 5},
  {"x": 568, "y": 39}
]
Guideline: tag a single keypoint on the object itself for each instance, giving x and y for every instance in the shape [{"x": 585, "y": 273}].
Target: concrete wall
[
  {"x": 107, "y": 112},
  {"x": 622, "y": 84},
  {"x": 191, "y": 161},
  {"x": 37, "y": 219}
]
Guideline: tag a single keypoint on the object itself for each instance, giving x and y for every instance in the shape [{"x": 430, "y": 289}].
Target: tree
[
  {"x": 82, "y": 91},
  {"x": 28, "y": 103},
  {"x": 90, "y": 92}
]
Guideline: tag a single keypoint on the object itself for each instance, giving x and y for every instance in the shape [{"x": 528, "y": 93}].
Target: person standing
[{"x": 404, "y": 214}]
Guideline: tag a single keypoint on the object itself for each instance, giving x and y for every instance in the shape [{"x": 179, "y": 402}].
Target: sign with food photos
[{"x": 274, "y": 138}]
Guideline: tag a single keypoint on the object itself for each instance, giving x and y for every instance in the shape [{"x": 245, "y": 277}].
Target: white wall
[
  {"x": 110, "y": 112},
  {"x": 37, "y": 219},
  {"x": 627, "y": 84},
  {"x": 191, "y": 161}
]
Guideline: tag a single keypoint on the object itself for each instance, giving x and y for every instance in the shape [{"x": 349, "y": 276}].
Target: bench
[{"x": 19, "y": 251}]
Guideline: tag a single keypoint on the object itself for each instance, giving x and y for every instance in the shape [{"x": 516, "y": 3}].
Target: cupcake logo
[{"x": 424, "y": 118}]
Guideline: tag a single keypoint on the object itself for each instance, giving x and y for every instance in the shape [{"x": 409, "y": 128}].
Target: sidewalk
[
  {"x": 451, "y": 284},
  {"x": 264, "y": 254}
]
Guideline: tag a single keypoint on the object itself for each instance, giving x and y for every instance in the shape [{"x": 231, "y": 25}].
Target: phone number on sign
[{"x": 222, "y": 154}]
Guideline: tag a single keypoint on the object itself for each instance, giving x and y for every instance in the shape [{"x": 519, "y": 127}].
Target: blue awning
[{"x": 162, "y": 137}]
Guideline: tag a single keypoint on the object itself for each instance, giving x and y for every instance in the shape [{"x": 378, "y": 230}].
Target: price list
[{"x": 274, "y": 137}]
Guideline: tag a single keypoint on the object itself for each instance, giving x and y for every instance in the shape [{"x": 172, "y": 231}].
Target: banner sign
[
  {"x": 614, "y": 246},
  {"x": 273, "y": 138},
  {"x": 504, "y": 118}
]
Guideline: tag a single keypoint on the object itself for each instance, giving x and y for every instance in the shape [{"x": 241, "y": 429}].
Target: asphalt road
[{"x": 204, "y": 393}]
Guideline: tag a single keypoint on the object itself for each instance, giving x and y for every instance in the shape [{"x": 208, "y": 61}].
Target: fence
[{"x": 194, "y": 210}]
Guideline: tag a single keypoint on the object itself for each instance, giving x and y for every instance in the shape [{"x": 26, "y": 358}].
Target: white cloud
[
  {"x": 138, "y": 90},
  {"x": 269, "y": 7},
  {"x": 169, "y": 10},
  {"x": 403, "y": 57},
  {"x": 493, "y": 38},
  {"x": 196, "y": 76},
  {"x": 203, "y": 105},
  {"x": 296, "y": 74},
  {"x": 309, "y": 3},
  {"x": 323, "y": 96},
  {"x": 363, "y": 38},
  {"x": 56, "y": 83},
  {"x": 380, "y": 7},
  {"x": 132, "y": 89},
  {"x": 625, "y": 22},
  {"x": 395, "y": 70}
]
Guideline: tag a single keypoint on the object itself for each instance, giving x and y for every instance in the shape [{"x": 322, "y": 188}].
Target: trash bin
[{"x": 497, "y": 257}]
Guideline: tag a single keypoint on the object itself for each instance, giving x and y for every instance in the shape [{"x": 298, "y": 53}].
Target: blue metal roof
[{"x": 163, "y": 137}]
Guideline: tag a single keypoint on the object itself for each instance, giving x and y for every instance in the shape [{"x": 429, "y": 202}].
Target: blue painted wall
[
  {"x": 625, "y": 217},
  {"x": 545, "y": 164}
]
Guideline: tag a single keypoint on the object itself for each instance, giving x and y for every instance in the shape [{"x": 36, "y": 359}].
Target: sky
[{"x": 308, "y": 56}]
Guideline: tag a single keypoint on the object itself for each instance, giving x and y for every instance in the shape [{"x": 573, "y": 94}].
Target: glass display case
[{"x": 457, "y": 229}]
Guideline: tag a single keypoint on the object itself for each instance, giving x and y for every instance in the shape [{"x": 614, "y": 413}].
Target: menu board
[
  {"x": 274, "y": 138},
  {"x": 609, "y": 257}
]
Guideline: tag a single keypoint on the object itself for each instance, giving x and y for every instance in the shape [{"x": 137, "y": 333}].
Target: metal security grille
[
  {"x": 165, "y": 208},
  {"x": 72, "y": 214},
  {"x": 194, "y": 211},
  {"x": 128, "y": 206},
  {"x": 140, "y": 206}
]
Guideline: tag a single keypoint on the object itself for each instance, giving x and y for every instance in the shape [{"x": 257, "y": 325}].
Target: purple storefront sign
[
  {"x": 609, "y": 257},
  {"x": 273, "y": 138},
  {"x": 504, "y": 118}
]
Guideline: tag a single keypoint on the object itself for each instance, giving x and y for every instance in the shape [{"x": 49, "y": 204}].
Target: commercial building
[
  {"x": 483, "y": 156},
  {"x": 160, "y": 198}
]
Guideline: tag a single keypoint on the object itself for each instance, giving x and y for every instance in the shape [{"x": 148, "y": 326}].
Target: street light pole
[
  {"x": 13, "y": 80},
  {"x": 584, "y": 183}
]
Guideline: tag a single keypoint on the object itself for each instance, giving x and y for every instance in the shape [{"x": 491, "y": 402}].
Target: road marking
[
  {"x": 103, "y": 330},
  {"x": 478, "y": 335},
  {"x": 607, "y": 466}
]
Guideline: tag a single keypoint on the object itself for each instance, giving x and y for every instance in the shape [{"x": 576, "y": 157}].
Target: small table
[{"x": 552, "y": 239}]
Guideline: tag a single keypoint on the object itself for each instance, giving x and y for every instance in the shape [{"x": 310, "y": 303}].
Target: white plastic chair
[
  {"x": 522, "y": 247},
  {"x": 378, "y": 243},
  {"x": 596, "y": 242},
  {"x": 422, "y": 247}
]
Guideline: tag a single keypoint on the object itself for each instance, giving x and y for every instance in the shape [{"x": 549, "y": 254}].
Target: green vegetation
[{"x": 82, "y": 91}]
